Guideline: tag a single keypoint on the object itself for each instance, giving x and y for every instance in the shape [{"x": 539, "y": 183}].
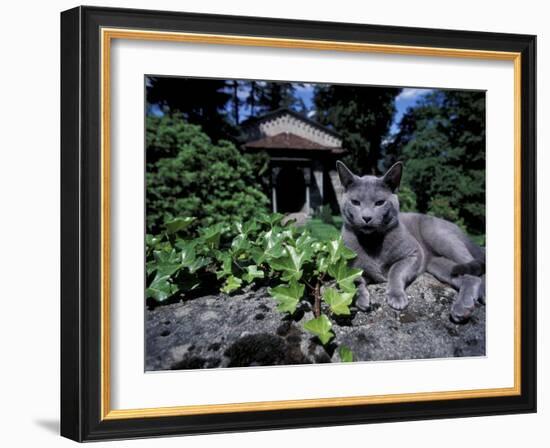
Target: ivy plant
[{"x": 295, "y": 265}]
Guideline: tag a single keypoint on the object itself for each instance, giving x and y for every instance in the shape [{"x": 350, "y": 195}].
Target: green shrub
[
  {"x": 189, "y": 175},
  {"x": 441, "y": 207},
  {"x": 407, "y": 199}
]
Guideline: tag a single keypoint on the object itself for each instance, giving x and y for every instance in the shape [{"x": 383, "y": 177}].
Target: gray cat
[{"x": 398, "y": 247}]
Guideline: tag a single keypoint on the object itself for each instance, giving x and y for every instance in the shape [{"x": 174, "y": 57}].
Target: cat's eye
[
  {"x": 355, "y": 202},
  {"x": 380, "y": 202}
]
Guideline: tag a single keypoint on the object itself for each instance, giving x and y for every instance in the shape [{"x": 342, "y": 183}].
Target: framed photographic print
[{"x": 276, "y": 224}]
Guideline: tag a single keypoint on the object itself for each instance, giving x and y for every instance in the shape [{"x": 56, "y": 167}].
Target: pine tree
[{"x": 362, "y": 115}]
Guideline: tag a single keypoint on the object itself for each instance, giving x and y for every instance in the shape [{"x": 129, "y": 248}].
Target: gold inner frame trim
[{"x": 107, "y": 35}]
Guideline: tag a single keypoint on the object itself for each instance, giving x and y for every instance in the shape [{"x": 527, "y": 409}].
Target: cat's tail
[{"x": 474, "y": 267}]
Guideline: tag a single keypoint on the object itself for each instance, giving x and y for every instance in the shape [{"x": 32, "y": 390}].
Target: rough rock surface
[{"x": 247, "y": 330}]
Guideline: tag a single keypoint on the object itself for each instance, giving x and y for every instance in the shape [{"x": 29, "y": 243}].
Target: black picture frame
[{"x": 81, "y": 209}]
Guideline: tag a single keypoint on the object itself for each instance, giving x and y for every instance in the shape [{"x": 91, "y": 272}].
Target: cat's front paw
[
  {"x": 363, "y": 299},
  {"x": 397, "y": 300},
  {"x": 461, "y": 311}
]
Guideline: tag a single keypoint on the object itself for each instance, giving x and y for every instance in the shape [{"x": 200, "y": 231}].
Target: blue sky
[{"x": 407, "y": 98}]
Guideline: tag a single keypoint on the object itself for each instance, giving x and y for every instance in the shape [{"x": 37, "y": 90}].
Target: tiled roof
[{"x": 287, "y": 140}]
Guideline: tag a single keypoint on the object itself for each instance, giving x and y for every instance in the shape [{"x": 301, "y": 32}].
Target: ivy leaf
[
  {"x": 151, "y": 267},
  {"x": 270, "y": 220},
  {"x": 258, "y": 255},
  {"x": 272, "y": 238},
  {"x": 211, "y": 235},
  {"x": 304, "y": 244},
  {"x": 346, "y": 355},
  {"x": 275, "y": 251},
  {"x": 240, "y": 244},
  {"x": 304, "y": 241},
  {"x": 339, "y": 302},
  {"x": 345, "y": 275},
  {"x": 231, "y": 284},
  {"x": 288, "y": 296},
  {"x": 290, "y": 263},
  {"x": 167, "y": 263},
  {"x": 197, "y": 264},
  {"x": 322, "y": 264},
  {"x": 187, "y": 254},
  {"x": 252, "y": 273},
  {"x": 226, "y": 265},
  {"x": 337, "y": 250},
  {"x": 320, "y": 327},
  {"x": 178, "y": 224},
  {"x": 160, "y": 288},
  {"x": 151, "y": 241},
  {"x": 247, "y": 227},
  {"x": 167, "y": 269}
]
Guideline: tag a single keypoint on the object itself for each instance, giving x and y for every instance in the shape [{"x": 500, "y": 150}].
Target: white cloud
[{"x": 410, "y": 94}]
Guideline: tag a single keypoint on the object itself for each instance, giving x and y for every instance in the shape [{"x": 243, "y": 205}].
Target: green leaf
[
  {"x": 226, "y": 265},
  {"x": 187, "y": 253},
  {"x": 320, "y": 327},
  {"x": 338, "y": 250},
  {"x": 304, "y": 244},
  {"x": 252, "y": 273},
  {"x": 240, "y": 244},
  {"x": 246, "y": 227},
  {"x": 150, "y": 267},
  {"x": 271, "y": 220},
  {"x": 304, "y": 241},
  {"x": 290, "y": 263},
  {"x": 257, "y": 254},
  {"x": 178, "y": 224},
  {"x": 160, "y": 288},
  {"x": 151, "y": 240},
  {"x": 339, "y": 302},
  {"x": 272, "y": 239},
  {"x": 288, "y": 296},
  {"x": 346, "y": 355},
  {"x": 211, "y": 235},
  {"x": 198, "y": 264},
  {"x": 167, "y": 263},
  {"x": 275, "y": 251},
  {"x": 231, "y": 284},
  {"x": 345, "y": 275},
  {"x": 322, "y": 264}
]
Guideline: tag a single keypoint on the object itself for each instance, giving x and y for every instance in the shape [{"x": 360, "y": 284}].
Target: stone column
[
  {"x": 318, "y": 175},
  {"x": 274, "y": 175},
  {"x": 307, "y": 178}
]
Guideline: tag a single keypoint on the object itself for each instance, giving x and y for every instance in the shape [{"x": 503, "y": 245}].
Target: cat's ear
[
  {"x": 392, "y": 178},
  {"x": 345, "y": 175}
]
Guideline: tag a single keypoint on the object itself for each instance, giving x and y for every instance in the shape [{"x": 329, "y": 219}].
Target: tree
[
  {"x": 190, "y": 176},
  {"x": 362, "y": 115},
  {"x": 442, "y": 142},
  {"x": 201, "y": 101},
  {"x": 235, "y": 100},
  {"x": 277, "y": 95},
  {"x": 252, "y": 98}
]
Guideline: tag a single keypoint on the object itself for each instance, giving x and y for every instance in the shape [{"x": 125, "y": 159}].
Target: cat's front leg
[
  {"x": 363, "y": 296},
  {"x": 400, "y": 275}
]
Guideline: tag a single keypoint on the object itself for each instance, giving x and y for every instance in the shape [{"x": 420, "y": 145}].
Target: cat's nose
[{"x": 367, "y": 219}]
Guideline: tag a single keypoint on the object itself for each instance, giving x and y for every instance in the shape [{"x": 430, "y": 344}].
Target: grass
[{"x": 323, "y": 230}]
